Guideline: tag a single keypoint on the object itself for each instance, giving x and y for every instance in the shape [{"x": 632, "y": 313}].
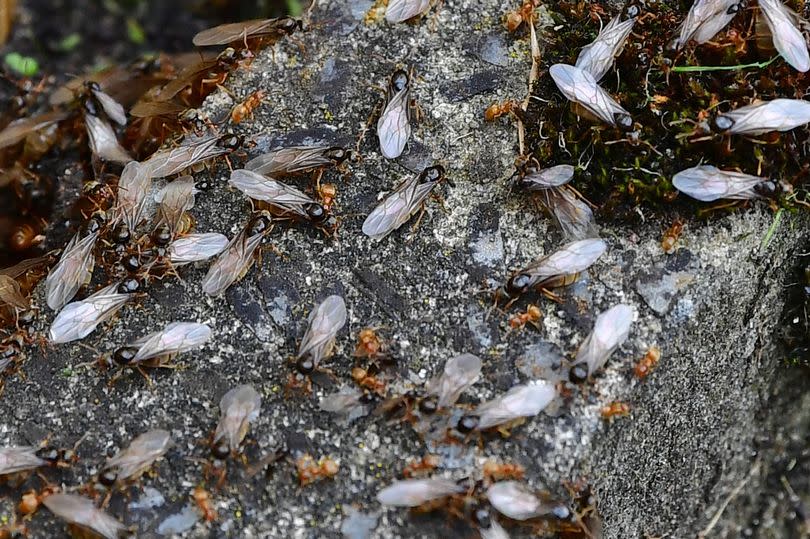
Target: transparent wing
[
  {"x": 572, "y": 258},
  {"x": 82, "y": 511},
  {"x": 460, "y": 373},
  {"x": 243, "y": 397},
  {"x": 706, "y": 18},
  {"x": 547, "y": 177},
  {"x": 141, "y": 453},
  {"x": 708, "y": 183},
  {"x": 325, "y": 321},
  {"x": 290, "y": 160},
  {"x": 25, "y": 265},
  {"x": 231, "y": 264},
  {"x": 516, "y": 501},
  {"x": 763, "y": 117},
  {"x": 579, "y": 86},
  {"x": 148, "y": 109},
  {"x": 415, "y": 492},
  {"x": 133, "y": 188},
  {"x": 11, "y": 293},
  {"x": 78, "y": 319},
  {"x": 237, "y": 31},
  {"x": 175, "y": 338},
  {"x": 74, "y": 270},
  {"x": 114, "y": 110},
  {"x": 788, "y": 39},
  {"x": 402, "y": 10},
  {"x": 794, "y": 112},
  {"x": 520, "y": 401},
  {"x": 611, "y": 329},
  {"x": 238, "y": 407},
  {"x": 495, "y": 531},
  {"x": 719, "y": 14},
  {"x": 19, "y": 459},
  {"x": 396, "y": 208},
  {"x": 168, "y": 162},
  {"x": 196, "y": 247},
  {"x": 103, "y": 141},
  {"x": 346, "y": 402},
  {"x": 17, "y": 130},
  {"x": 394, "y": 126},
  {"x": 572, "y": 215},
  {"x": 597, "y": 57},
  {"x": 275, "y": 193},
  {"x": 175, "y": 199},
  {"x": 184, "y": 78}
]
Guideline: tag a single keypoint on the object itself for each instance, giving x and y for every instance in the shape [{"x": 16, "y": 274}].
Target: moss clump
[{"x": 622, "y": 170}]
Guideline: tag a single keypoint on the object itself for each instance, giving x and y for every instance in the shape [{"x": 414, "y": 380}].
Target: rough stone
[{"x": 698, "y": 421}]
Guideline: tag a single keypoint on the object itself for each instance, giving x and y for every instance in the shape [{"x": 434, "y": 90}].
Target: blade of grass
[
  {"x": 294, "y": 8},
  {"x": 688, "y": 69},
  {"x": 772, "y": 229}
]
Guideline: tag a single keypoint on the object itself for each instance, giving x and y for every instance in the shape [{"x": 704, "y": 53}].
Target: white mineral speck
[
  {"x": 151, "y": 498},
  {"x": 487, "y": 249},
  {"x": 180, "y": 522}
]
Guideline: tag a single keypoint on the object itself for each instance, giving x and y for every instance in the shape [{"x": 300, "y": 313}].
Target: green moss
[
  {"x": 70, "y": 42},
  {"x": 22, "y": 65},
  {"x": 294, "y": 7},
  {"x": 135, "y": 32},
  {"x": 620, "y": 171}
]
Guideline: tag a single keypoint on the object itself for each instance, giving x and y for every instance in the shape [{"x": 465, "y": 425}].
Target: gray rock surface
[{"x": 698, "y": 422}]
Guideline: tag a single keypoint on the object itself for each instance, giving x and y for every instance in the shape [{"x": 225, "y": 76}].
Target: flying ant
[
  {"x": 18, "y": 463},
  {"x": 557, "y": 269},
  {"x": 156, "y": 349},
  {"x": 193, "y": 84},
  {"x": 238, "y": 408},
  {"x": 283, "y": 201},
  {"x": 255, "y": 34},
  {"x": 318, "y": 342},
  {"x": 153, "y": 122}
]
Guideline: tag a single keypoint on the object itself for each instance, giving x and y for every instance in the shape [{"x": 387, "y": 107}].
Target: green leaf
[
  {"x": 295, "y": 8},
  {"x": 70, "y": 42},
  {"x": 22, "y": 65},
  {"x": 135, "y": 32}
]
